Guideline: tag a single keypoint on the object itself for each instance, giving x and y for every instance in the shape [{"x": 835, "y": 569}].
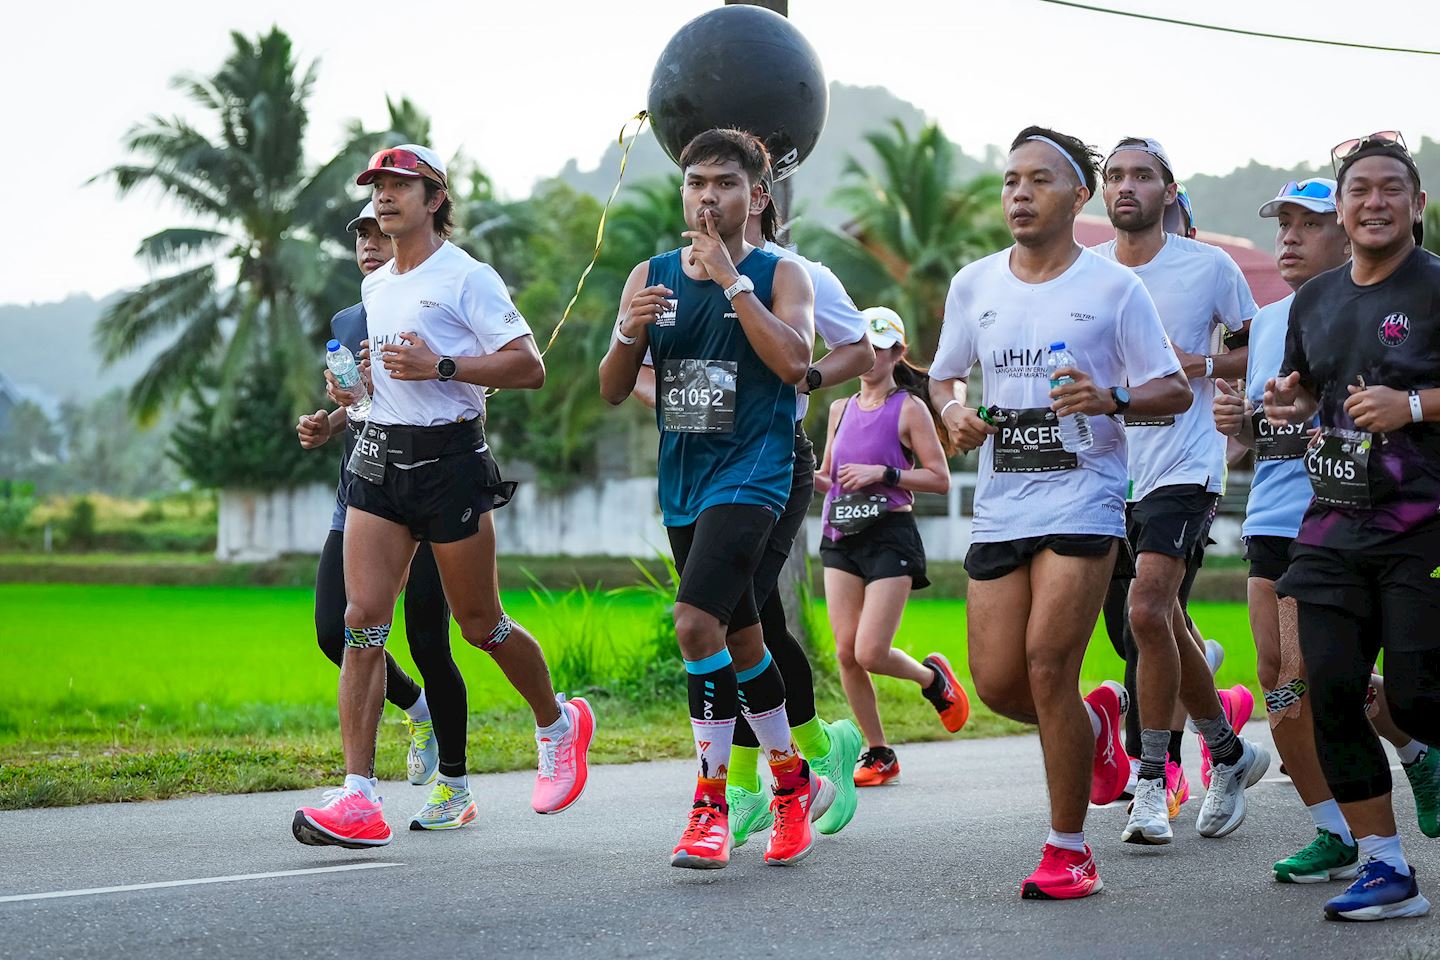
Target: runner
[
  {"x": 725, "y": 472},
  {"x": 1047, "y": 522},
  {"x": 437, "y": 743},
  {"x": 831, "y": 748},
  {"x": 442, "y": 325},
  {"x": 881, "y": 449},
  {"x": 1363, "y": 350},
  {"x": 1177, "y": 469}
]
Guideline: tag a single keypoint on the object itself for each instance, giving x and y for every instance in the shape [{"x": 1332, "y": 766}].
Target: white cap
[
  {"x": 1144, "y": 145},
  {"x": 367, "y": 213},
  {"x": 1316, "y": 195},
  {"x": 884, "y": 327},
  {"x": 401, "y": 162}
]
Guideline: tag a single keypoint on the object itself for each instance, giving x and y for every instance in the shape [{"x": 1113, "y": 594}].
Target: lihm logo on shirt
[
  {"x": 1394, "y": 329},
  {"x": 1019, "y": 362}
]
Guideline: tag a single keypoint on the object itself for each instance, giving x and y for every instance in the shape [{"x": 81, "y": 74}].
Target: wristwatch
[
  {"x": 445, "y": 368},
  {"x": 812, "y": 379},
  {"x": 1121, "y": 396},
  {"x": 743, "y": 285}
]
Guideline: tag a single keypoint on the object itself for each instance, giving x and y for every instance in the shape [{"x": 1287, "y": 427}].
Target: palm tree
[
  {"x": 913, "y": 226},
  {"x": 259, "y": 275}
]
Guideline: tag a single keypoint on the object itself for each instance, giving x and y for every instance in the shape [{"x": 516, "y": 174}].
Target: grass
[{"x": 128, "y": 692}]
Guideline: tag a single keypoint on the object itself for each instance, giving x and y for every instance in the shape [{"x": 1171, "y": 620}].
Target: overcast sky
[{"x": 526, "y": 86}]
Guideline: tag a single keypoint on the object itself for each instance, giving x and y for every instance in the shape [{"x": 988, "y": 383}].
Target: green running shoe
[
  {"x": 448, "y": 808},
  {"x": 749, "y": 813},
  {"x": 422, "y": 761},
  {"x": 838, "y": 766},
  {"x": 1424, "y": 776},
  {"x": 1326, "y": 858}
]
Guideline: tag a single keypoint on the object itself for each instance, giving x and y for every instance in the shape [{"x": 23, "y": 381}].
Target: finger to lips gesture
[
  {"x": 708, "y": 251},
  {"x": 410, "y": 358}
]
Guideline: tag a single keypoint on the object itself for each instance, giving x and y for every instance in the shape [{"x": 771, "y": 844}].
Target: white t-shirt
[
  {"x": 837, "y": 321},
  {"x": 460, "y": 308},
  {"x": 1107, "y": 320},
  {"x": 1195, "y": 286}
]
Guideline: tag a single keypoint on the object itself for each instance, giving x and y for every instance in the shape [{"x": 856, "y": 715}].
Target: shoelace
[
  {"x": 702, "y": 817},
  {"x": 546, "y": 749},
  {"x": 420, "y": 732},
  {"x": 872, "y": 758},
  {"x": 442, "y": 794}
]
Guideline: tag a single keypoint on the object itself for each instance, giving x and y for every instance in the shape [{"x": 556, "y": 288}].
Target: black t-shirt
[{"x": 1387, "y": 333}]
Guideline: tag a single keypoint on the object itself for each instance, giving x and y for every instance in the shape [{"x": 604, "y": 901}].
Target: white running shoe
[
  {"x": 1214, "y": 655},
  {"x": 422, "y": 762},
  {"x": 1223, "y": 808},
  {"x": 1134, "y": 776},
  {"x": 1149, "y": 815},
  {"x": 448, "y": 808}
]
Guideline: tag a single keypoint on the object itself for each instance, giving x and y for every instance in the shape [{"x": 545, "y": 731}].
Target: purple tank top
[{"x": 870, "y": 436}]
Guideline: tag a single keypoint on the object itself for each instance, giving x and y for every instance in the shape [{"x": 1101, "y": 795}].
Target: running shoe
[
  {"x": 1238, "y": 704},
  {"x": 838, "y": 767},
  {"x": 1380, "y": 892},
  {"x": 705, "y": 844},
  {"x": 1062, "y": 875},
  {"x": 564, "y": 764},
  {"x": 1133, "y": 779},
  {"x": 1214, "y": 655},
  {"x": 448, "y": 808},
  {"x": 878, "y": 766},
  {"x": 422, "y": 762},
  {"x": 1424, "y": 777},
  {"x": 1111, "y": 768},
  {"x": 1149, "y": 815},
  {"x": 346, "y": 818},
  {"x": 1177, "y": 788},
  {"x": 749, "y": 812},
  {"x": 1326, "y": 858},
  {"x": 952, "y": 703},
  {"x": 797, "y": 798},
  {"x": 1223, "y": 808}
]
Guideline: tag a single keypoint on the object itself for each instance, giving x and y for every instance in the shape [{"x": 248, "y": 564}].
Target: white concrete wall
[{"x": 618, "y": 518}]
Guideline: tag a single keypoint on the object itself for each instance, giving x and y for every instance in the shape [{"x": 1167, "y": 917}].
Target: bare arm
[
  {"x": 845, "y": 362},
  {"x": 515, "y": 366},
  {"x": 783, "y": 333},
  {"x": 1158, "y": 397},
  {"x": 822, "y": 472},
  {"x": 645, "y": 386},
  {"x": 621, "y": 364},
  {"x": 917, "y": 431},
  {"x": 1231, "y": 365},
  {"x": 1287, "y": 401},
  {"x": 965, "y": 426}
]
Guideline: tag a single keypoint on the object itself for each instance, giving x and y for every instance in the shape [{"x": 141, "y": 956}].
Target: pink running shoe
[
  {"x": 1062, "y": 875},
  {"x": 1111, "y": 770},
  {"x": 348, "y": 818},
  {"x": 564, "y": 764},
  {"x": 1177, "y": 788},
  {"x": 1239, "y": 704}
]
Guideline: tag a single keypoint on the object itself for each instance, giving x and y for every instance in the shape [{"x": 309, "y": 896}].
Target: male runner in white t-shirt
[
  {"x": 1177, "y": 470},
  {"x": 1048, "y": 523},
  {"x": 442, "y": 328}
]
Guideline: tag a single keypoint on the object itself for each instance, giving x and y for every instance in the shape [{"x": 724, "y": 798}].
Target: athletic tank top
[
  {"x": 727, "y": 422},
  {"x": 870, "y": 436}
]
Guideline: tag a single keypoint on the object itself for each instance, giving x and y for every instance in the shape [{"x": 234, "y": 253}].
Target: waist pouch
[{"x": 380, "y": 445}]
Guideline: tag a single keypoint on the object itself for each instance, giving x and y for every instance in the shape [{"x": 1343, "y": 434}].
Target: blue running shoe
[
  {"x": 422, "y": 762},
  {"x": 1379, "y": 892}
]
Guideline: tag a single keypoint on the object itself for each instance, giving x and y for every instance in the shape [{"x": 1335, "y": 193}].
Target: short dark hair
[
  {"x": 444, "y": 218},
  {"x": 722, "y": 145},
  {"x": 1084, "y": 155},
  {"x": 1140, "y": 144}
]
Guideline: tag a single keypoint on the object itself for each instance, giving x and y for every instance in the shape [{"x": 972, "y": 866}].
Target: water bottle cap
[
  {"x": 1057, "y": 345},
  {"x": 332, "y": 346}
]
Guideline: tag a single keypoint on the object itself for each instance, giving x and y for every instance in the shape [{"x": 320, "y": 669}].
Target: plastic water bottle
[
  {"x": 1075, "y": 433},
  {"x": 347, "y": 373}
]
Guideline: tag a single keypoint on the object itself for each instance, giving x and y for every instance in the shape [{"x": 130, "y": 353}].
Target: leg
[
  {"x": 1273, "y": 622},
  {"x": 844, "y": 601},
  {"x": 997, "y": 619},
  {"x": 330, "y": 621},
  {"x": 1158, "y": 674},
  {"x": 875, "y": 635},
  {"x": 427, "y": 626}
]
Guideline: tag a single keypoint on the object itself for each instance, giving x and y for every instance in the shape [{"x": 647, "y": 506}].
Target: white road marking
[{"x": 93, "y": 891}]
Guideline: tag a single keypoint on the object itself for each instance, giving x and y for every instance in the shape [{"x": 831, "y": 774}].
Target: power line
[{"x": 1248, "y": 33}]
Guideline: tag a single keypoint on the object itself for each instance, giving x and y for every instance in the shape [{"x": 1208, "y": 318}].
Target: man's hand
[
  {"x": 362, "y": 360},
  {"x": 1193, "y": 364},
  {"x": 313, "y": 429},
  {"x": 1378, "y": 409},
  {"x": 1080, "y": 395},
  {"x": 411, "y": 359},
  {"x": 337, "y": 394},
  {"x": 710, "y": 253},
  {"x": 966, "y": 428},
  {"x": 1282, "y": 400},
  {"x": 854, "y": 476},
  {"x": 647, "y": 304},
  {"x": 1231, "y": 409}
]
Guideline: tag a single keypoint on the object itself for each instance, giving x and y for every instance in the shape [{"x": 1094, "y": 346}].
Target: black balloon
[{"x": 740, "y": 66}]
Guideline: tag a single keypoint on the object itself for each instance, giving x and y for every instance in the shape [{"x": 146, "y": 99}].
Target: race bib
[
  {"x": 1148, "y": 420},
  {"x": 1338, "y": 463},
  {"x": 852, "y": 512},
  {"x": 697, "y": 396},
  {"x": 367, "y": 460},
  {"x": 1279, "y": 443},
  {"x": 1028, "y": 441}
]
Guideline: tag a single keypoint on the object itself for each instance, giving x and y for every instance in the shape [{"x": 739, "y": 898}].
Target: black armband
[{"x": 1235, "y": 339}]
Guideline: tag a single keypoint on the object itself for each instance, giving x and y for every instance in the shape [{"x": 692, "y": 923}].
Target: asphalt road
[{"x": 930, "y": 867}]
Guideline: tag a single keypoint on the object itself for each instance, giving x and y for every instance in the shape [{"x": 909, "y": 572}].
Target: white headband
[{"x": 1064, "y": 153}]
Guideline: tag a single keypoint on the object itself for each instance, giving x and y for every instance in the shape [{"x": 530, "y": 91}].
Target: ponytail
[{"x": 915, "y": 380}]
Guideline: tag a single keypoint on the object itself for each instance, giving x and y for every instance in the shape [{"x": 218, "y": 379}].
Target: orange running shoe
[
  {"x": 347, "y": 818},
  {"x": 1110, "y": 771},
  {"x": 951, "y": 701},
  {"x": 796, "y": 796},
  {"x": 1062, "y": 875},
  {"x": 878, "y": 766},
  {"x": 705, "y": 844}
]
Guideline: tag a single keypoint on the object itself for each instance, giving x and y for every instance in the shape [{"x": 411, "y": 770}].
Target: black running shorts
[
  {"x": 1173, "y": 521},
  {"x": 717, "y": 556},
  {"x": 439, "y": 502},
  {"x": 889, "y": 547},
  {"x": 1269, "y": 556},
  {"x": 991, "y": 561}
]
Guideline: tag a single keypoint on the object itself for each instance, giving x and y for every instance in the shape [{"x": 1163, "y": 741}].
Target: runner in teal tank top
[{"x": 728, "y": 344}]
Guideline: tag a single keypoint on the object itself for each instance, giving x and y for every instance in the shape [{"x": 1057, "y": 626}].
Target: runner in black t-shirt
[{"x": 1363, "y": 349}]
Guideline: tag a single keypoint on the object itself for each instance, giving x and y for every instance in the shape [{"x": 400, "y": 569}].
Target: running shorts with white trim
[
  {"x": 439, "y": 502},
  {"x": 1171, "y": 521}
]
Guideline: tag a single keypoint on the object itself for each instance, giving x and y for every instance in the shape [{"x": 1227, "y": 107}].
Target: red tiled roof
[{"x": 1257, "y": 265}]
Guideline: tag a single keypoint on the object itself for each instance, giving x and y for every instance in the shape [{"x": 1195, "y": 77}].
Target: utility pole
[{"x": 793, "y": 574}]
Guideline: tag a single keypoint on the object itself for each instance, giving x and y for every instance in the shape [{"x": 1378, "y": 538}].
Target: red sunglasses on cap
[{"x": 406, "y": 163}]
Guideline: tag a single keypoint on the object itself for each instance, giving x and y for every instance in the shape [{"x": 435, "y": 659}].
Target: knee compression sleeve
[
  {"x": 498, "y": 635},
  {"x": 360, "y": 637},
  {"x": 1284, "y": 700}
]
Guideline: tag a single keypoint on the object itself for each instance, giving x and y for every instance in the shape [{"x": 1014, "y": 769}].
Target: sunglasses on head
[
  {"x": 1310, "y": 189},
  {"x": 1348, "y": 148},
  {"x": 397, "y": 159}
]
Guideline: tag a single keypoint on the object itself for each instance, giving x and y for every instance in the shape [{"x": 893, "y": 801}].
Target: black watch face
[
  {"x": 446, "y": 368},
  {"x": 812, "y": 379}
]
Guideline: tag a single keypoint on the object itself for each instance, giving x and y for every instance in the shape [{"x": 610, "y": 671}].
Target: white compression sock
[
  {"x": 1067, "y": 841},
  {"x": 459, "y": 783},
  {"x": 1327, "y": 816},
  {"x": 1411, "y": 752},
  {"x": 419, "y": 710},
  {"x": 365, "y": 785},
  {"x": 557, "y": 729},
  {"x": 1094, "y": 719},
  {"x": 1384, "y": 848}
]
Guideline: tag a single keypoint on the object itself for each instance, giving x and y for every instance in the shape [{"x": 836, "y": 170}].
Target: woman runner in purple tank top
[{"x": 882, "y": 447}]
